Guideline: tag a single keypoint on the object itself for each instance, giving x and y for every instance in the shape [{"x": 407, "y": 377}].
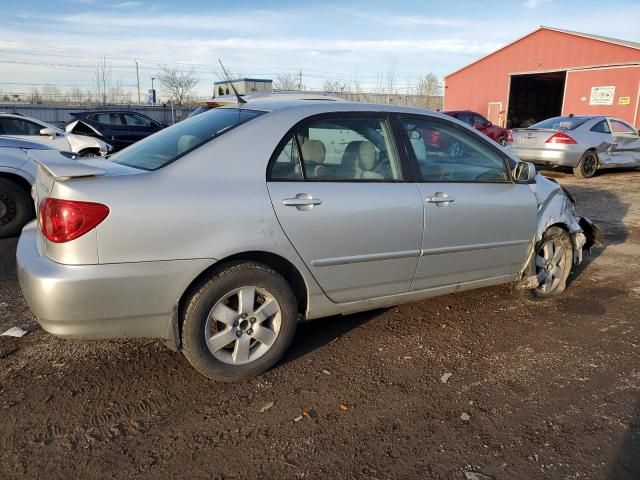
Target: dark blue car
[{"x": 118, "y": 128}]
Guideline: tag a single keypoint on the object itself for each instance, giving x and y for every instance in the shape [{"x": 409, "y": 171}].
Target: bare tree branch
[
  {"x": 102, "y": 80},
  {"x": 178, "y": 84}
]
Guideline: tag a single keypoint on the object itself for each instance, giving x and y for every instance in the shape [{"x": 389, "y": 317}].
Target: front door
[
  {"x": 337, "y": 187},
  {"x": 478, "y": 223},
  {"x": 626, "y": 147},
  {"x": 30, "y": 130}
]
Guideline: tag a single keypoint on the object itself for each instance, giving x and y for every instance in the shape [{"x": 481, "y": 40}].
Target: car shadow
[
  {"x": 626, "y": 464},
  {"x": 316, "y": 334}
]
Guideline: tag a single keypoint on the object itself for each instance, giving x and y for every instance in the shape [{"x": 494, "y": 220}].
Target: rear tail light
[
  {"x": 560, "y": 137},
  {"x": 509, "y": 137},
  {"x": 65, "y": 220}
]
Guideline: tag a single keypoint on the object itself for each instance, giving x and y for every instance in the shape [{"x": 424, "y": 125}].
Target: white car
[{"x": 20, "y": 126}]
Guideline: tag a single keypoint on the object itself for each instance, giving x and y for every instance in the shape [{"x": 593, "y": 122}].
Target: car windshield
[
  {"x": 561, "y": 123},
  {"x": 168, "y": 145}
]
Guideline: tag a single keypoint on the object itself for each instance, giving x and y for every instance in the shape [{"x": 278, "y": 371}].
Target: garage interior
[{"x": 535, "y": 97}]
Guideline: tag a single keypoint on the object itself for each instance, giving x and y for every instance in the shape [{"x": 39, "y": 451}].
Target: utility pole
[
  {"x": 300, "y": 81},
  {"x": 138, "y": 78}
]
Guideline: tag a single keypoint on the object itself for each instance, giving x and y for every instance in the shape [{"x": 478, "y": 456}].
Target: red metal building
[{"x": 550, "y": 72}]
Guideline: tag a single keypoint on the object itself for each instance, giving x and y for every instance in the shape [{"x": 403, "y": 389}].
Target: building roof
[
  {"x": 243, "y": 79},
  {"x": 599, "y": 38}
]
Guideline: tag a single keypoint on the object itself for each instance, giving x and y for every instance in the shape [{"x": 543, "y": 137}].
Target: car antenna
[{"x": 240, "y": 99}]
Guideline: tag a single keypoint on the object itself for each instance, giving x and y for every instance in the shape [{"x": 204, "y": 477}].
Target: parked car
[
  {"x": 119, "y": 128},
  {"x": 477, "y": 121},
  {"x": 232, "y": 99},
  {"x": 584, "y": 143},
  {"x": 17, "y": 174},
  {"x": 220, "y": 233},
  {"x": 20, "y": 126}
]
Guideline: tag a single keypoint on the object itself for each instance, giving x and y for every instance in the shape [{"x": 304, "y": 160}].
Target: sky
[{"x": 47, "y": 42}]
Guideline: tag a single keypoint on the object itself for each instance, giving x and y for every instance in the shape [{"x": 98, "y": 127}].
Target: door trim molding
[
  {"x": 467, "y": 248},
  {"x": 370, "y": 257}
]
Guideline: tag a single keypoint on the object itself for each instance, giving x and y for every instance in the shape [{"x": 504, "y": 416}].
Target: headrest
[
  {"x": 185, "y": 142},
  {"x": 366, "y": 156},
  {"x": 313, "y": 151}
]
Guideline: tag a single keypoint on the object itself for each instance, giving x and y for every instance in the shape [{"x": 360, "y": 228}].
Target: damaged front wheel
[{"x": 553, "y": 261}]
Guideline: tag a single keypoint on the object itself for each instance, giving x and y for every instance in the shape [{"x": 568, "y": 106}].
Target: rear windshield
[
  {"x": 561, "y": 123},
  {"x": 168, "y": 145}
]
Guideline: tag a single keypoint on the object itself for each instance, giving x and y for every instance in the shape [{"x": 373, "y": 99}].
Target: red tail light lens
[
  {"x": 560, "y": 137},
  {"x": 65, "y": 220}
]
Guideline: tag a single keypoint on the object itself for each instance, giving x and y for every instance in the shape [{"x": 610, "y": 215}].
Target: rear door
[
  {"x": 337, "y": 185},
  {"x": 478, "y": 223},
  {"x": 139, "y": 126},
  {"x": 113, "y": 128},
  {"x": 626, "y": 147}
]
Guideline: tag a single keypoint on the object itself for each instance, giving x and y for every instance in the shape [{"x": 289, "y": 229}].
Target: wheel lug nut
[
  {"x": 238, "y": 334},
  {"x": 250, "y": 331},
  {"x": 252, "y": 320},
  {"x": 244, "y": 315},
  {"x": 236, "y": 323}
]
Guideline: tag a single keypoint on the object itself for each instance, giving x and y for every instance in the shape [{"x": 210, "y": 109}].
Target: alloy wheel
[
  {"x": 243, "y": 325},
  {"x": 550, "y": 264},
  {"x": 8, "y": 209},
  {"x": 589, "y": 165}
]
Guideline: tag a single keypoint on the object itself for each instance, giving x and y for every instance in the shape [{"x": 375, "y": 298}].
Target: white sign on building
[{"x": 602, "y": 95}]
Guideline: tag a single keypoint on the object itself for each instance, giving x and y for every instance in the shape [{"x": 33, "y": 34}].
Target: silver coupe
[
  {"x": 219, "y": 234},
  {"x": 583, "y": 143}
]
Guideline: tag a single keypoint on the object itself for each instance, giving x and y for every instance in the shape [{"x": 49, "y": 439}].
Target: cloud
[
  {"x": 533, "y": 4},
  {"x": 127, "y": 5}
]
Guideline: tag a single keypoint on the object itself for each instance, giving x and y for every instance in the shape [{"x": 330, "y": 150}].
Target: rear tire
[
  {"x": 553, "y": 261},
  {"x": 502, "y": 140},
  {"x": 239, "y": 322},
  {"x": 16, "y": 208},
  {"x": 588, "y": 165}
]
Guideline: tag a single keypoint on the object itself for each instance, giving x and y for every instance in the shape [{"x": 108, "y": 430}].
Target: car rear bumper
[
  {"x": 103, "y": 301},
  {"x": 549, "y": 156}
]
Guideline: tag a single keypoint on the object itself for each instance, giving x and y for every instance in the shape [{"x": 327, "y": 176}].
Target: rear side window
[
  {"x": 168, "y": 145},
  {"x": 621, "y": 127},
  {"x": 339, "y": 149},
  {"x": 601, "y": 127}
]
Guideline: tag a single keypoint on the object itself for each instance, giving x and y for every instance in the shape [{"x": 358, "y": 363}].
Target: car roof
[
  {"x": 87, "y": 112},
  {"x": 11, "y": 142}
]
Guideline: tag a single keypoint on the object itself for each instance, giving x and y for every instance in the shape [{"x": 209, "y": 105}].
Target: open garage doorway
[{"x": 535, "y": 97}]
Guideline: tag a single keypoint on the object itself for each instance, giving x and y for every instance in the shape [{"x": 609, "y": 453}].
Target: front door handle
[
  {"x": 302, "y": 201},
  {"x": 441, "y": 199}
]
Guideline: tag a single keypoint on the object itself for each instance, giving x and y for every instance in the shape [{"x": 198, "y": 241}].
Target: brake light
[
  {"x": 65, "y": 220},
  {"x": 560, "y": 137},
  {"x": 509, "y": 137}
]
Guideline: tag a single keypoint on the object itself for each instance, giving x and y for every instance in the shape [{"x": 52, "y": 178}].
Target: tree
[
  {"x": 430, "y": 88},
  {"x": 178, "y": 84},
  {"x": 102, "y": 80},
  {"x": 335, "y": 86},
  {"x": 287, "y": 81},
  {"x": 75, "y": 95},
  {"x": 35, "y": 96}
]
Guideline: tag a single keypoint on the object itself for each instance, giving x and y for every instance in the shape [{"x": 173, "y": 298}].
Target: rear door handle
[
  {"x": 302, "y": 201},
  {"x": 441, "y": 199}
]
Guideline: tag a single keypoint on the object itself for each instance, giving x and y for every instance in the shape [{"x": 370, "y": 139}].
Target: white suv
[{"x": 20, "y": 126}]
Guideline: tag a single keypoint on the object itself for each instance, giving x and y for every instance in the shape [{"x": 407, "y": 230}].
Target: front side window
[
  {"x": 339, "y": 149},
  {"x": 465, "y": 117},
  {"x": 601, "y": 127},
  {"x": 447, "y": 154},
  {"x": 18, "y": 126},
  {"x": 133, "y": 120},
  {"x": 479, "y": 121},
  {"x": 168, "y": 145},
  {"x": 619, "y": 126}
]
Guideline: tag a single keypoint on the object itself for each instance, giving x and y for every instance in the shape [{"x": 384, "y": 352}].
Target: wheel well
[
  {"x": 18, "y": 180},
  {"x": 89, "y": 149},
  {"x": 278, "y": 263}
]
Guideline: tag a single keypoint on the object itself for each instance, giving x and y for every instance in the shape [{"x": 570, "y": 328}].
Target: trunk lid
[{"x": 531, "y": 137}]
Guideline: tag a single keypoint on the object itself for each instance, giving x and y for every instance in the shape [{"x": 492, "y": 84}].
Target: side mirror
[
  {"x": 47, "y": 132},
  {"x": 525, "y": 172},
  {"x": 488, "y": 124}
]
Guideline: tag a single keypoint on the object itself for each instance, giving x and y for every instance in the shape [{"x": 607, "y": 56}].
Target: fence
[{"x": 59, "y": 115}]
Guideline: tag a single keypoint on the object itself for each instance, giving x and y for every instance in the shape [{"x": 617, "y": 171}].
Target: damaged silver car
[
  {"x": 584, "y": 143},
  {"x": 219, "y": 234}
]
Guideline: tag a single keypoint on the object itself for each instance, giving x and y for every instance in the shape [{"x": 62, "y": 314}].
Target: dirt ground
[{"x": 551, "y": 389}]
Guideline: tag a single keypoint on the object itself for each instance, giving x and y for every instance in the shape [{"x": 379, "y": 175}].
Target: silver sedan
[
  {"x": 219, "y": 234},
  {"x": 584, "y": 143}
]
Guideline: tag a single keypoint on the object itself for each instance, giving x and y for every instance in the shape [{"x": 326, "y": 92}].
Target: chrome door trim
[
  {"x": 466, "y": 248},
  {"x": 372, "y": 257}
]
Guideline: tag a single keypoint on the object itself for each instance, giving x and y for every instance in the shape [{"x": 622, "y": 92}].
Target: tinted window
[
  {"x": 446, "y": 153},
  {"x": 341, "y": 149},
  {"x": 619, "y": 126},
  {"x": 465, "y": 117},
  {"x": 561, "y": 123},
  {"x": 479, "y": 121},
  {"x": 287, "y": 165},
  {"x": 134, "y": 120},
  {"x": 18, "y": 126},
  {"x": 108, "y": 118},
  {"x": 171, "y": 143},
  {"x": 601, "y": 127}
]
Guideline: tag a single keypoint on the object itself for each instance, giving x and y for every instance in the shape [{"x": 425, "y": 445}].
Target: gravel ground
[{"x": 537, "y": 390}]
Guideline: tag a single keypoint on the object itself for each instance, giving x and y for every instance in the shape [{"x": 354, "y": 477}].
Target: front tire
[
  {"x": 553, "y": 260},
  {"x": 502, "y": 140},
  {"x": 588, "y": 165},
  {"x": 89, "y": 153},
  {"x": 239, "y": 322},
  {"x": 16, "y": 208}
]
